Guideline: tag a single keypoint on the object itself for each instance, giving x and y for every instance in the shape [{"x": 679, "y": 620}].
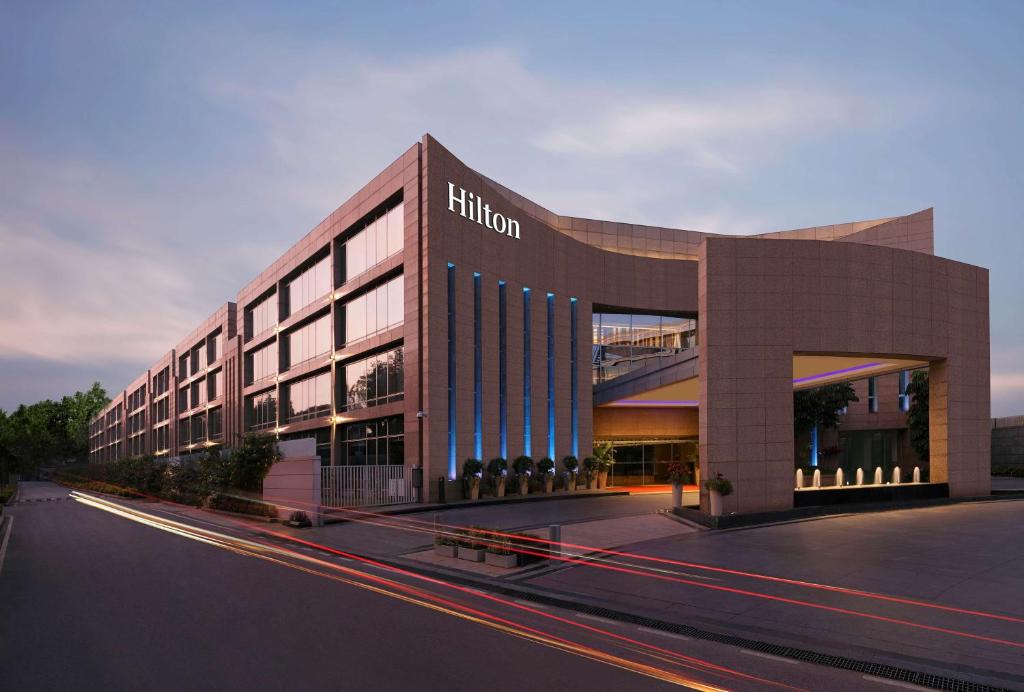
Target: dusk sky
[{"x": 154, "y": 158}]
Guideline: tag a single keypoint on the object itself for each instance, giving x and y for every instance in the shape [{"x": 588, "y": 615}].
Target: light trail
[
  {"x": 668, "y": 575},
  {"x": 262, "y": 551}
]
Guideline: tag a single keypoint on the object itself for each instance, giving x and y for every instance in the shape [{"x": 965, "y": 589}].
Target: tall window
[
  {"x": 198, "y": 394},
  {"x": 872, "y": 395},
  {"x": 308, "y": 398},
  {"x": 380, "y": 239},
  {"x": 904, "y": 398},
  {"x": 199, "y": 428},
  {"x": 372, "y": 442},
  {"x": 378, "y": 379},
  {"x": 199, "y": 357},
  {"x": 309, "y": 341},
  {"x": 261, "y": 411},
  {"x": 261, "y": 316},
  {"x": 623, "y": 341},
  {"x": 452, "y": 461},
  {"x": 375, "y": 311},
  {"x": 312, "y": 283},
  {"x": 183, "y": 399},
  {"x": 478, "y": 359},
  {"x": 183, "y": 367},
  {"x": 215, "y": 424},
  {"x": 215, "y": 347},
  {"x": 502, "y": 370},
  {"x": 527, "y": 378},
  {"x": 215, "y": 384},
  {"x": 261, "y": 363}
]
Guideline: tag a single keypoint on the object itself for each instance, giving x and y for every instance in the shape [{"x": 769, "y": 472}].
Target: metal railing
[{"x": 363, "y": 486}]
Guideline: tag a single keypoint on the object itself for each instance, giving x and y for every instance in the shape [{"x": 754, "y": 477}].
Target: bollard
[
  {"x": 440, "y": 489},
  {"x": 555, "y": 540},
  {"x": 860, "y": 476}
]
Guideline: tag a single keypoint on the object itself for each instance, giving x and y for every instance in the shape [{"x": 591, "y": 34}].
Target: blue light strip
[
  {"x": 551, "y": 375},
  {"x": 574, "y": 377},
  {"x": 502, "y": 371},
  {"x": 478, "y": 401},
  {"x": 527, "y": 376},
  {"x": 452, "y": 461}
]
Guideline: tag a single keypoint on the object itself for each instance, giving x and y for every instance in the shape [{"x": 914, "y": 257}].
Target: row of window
[
  {"x": 379, "y": 238},
  {"x": 378, "y": 379},
  {"x": 205, "y": 353},
  {"x": 200, "y": 391},
  {"x": 375, "y": 311},
  {"x": 202, "y": 427},
  {"x": 308, "y": 341},
  {"x": 162, "y": 382}
]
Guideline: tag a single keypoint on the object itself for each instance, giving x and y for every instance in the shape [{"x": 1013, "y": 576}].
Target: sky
[{"x": 154, "y": 157}]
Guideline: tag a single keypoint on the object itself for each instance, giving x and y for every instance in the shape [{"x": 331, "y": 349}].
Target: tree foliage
[
  {"x": 821, "y": 405},
  {"x": 48, "y": 431},
  {"x": 917, "y": 415}
]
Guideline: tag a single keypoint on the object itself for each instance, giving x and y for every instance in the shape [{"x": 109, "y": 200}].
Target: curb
[
  {"x": 330, "y": 518},
  {"x": 566, "y": 602}
]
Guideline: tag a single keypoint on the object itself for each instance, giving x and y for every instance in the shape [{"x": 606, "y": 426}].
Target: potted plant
[
  {"x": 471, "y": 548},
  {"x": 472, "y": 472},
  {"x": 498, "y": 469},
  {"x": 591, "y": 466},
  {"x": 677, "y": 476},
  {"x": 523, "y": 466},
  {"x": 605, "y": 455},
  {"x": 718, "y": 487},
  {"x": 500, "y": 554},
  {"x": 546, "y": 468},
  {"x": 446, "y": 545},
  {"x": 572, "y": 467}
]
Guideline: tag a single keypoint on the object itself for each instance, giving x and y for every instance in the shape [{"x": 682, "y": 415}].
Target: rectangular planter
[
  {"x": 446, "y": 550},
  {"x": 505, "y": 561},
  {"x": 471, "y": 554}
]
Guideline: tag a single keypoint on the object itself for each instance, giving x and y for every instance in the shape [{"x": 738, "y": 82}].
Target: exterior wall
[
  {"x": 764, "y": 300},
  {"x": 544, "y": 260},
  {"x": 1008, "y": 441},
  {"x": 819, "y": 296}
]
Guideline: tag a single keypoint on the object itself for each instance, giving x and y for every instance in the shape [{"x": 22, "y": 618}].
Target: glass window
[
  {"x": 216, "y": 384},
  {"x": 216, "y": 423},
  {"x": 261, "y": 363},
  {"x": 379, "y": 239},
  {"x": 313, "y": 283},
  {"x": 377, "y": 310},
  {"x": 309, "y": 341},
  {"x": 199, "y": 428},
  {"x": 261, "y": 411},
  {"x": 183, "y": 400},
  {"x": 372, "y": 381},
  {"x": 872, "y": 395},
  {"x": 624, "y": 341},
  {"x": 215, "y": 347},
  {"x": 261, "y": 316},
  {"x": 183, "y": 367},
  {"x": 198, "y": 397},
  {"x": 372, "y": 442},
  {"x": 309, "y": 398}
]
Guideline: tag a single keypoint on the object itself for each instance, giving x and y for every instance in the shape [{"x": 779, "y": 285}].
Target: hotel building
[{"x": 437, "y": 315}]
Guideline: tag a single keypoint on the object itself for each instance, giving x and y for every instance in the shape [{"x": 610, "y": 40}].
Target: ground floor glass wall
[{"x": 645, "y": 462}]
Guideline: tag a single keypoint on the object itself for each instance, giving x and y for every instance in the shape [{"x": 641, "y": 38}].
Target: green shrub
[
  {"x": 142, "y": 473},
  {"x": 523, "y": 465},
  {"x": 216, "y": 470},
  {"x": 571, "y": 463},
  {"x": 230, "y": 503},
  {"x": 252, "y": 459},
  {"x": 1014, "y": 471}
]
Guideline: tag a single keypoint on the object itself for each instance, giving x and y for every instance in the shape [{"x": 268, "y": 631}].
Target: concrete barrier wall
[{"x": 294, "y": 482}]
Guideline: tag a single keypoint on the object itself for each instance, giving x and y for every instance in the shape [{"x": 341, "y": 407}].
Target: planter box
[
  {"x": 471, "y": 554},
  {"x": 505, "y": 561},
  {"x": 446, "y": 550}
]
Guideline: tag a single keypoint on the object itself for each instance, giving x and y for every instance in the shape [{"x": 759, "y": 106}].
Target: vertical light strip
[
  {"x": 478, "y": 401},
  {"x": 574, "y": 377},
  {"x": 452, "y": 462},
  {"x": 527, "y": 376},
  {"x": 551, "y": 375},
  {"x": 502, "y": 371}
]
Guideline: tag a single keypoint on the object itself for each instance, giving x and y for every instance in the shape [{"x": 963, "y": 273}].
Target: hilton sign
[{"x": 472, "y": 207}]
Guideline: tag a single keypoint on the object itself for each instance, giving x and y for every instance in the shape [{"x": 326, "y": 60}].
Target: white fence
[{"x": 362, "y": 486}]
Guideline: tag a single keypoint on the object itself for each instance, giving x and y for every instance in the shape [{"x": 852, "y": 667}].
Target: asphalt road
[{"x": 90, "y": 600}]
